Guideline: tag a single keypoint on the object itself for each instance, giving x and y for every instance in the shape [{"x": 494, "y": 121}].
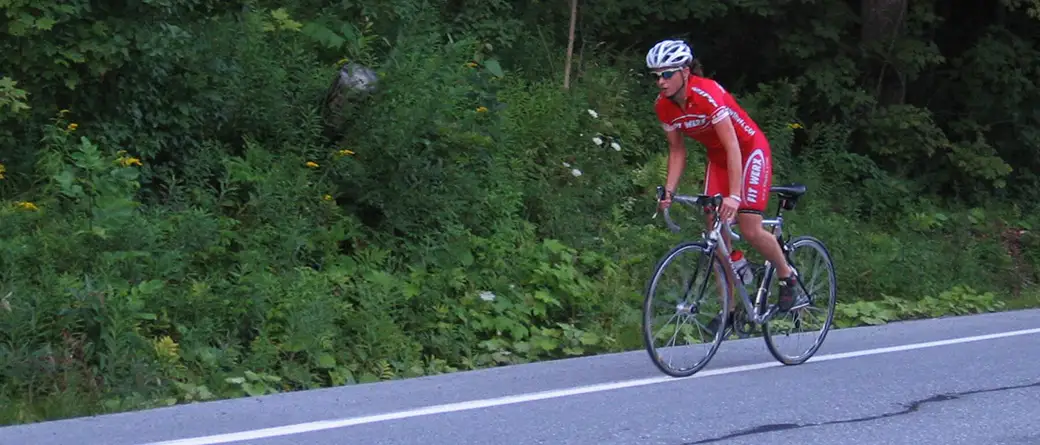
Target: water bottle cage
[{"x": 745, "y": 272}]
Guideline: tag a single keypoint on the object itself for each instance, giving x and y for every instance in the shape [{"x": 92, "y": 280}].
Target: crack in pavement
[{"x": 910, "y": 408}]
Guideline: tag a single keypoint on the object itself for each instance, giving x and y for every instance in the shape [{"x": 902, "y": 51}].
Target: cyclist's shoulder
[
  {"x": 713, "y": 84},
  {"x": 704, "y": 95},
  {"x": 707, "y": 88}
]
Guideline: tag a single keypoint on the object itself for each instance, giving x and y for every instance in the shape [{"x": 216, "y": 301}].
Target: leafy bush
[{"x": 182, "y": 222}]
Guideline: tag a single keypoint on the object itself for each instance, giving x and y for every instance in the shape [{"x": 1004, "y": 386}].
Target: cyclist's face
[{"x": 669, "y": 80}]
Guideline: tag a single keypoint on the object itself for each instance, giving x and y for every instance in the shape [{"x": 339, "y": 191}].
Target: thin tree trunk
[
  {"x": 570, "y": 46},
  {"x": 883, "y": 23}
]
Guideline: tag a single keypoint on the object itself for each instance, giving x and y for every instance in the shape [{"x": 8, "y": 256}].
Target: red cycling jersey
[{"x": 707, "y": 103}]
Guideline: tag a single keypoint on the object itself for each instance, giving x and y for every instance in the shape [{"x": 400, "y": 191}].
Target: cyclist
[{"x": 739, "y": 159}]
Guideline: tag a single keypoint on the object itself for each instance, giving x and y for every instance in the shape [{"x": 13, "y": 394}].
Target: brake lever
[{"x": 657, "y": 208}]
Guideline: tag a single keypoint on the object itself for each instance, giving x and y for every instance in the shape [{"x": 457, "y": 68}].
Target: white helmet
[{"x": 669, "y": 54}]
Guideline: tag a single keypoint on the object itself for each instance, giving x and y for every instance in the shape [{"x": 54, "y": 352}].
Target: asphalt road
[{"x": 922, "y": 382}]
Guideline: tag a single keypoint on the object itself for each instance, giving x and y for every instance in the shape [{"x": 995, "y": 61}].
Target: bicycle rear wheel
[
  {"x": 688, "y": 304},
  {"x": 804, "y": 312}
]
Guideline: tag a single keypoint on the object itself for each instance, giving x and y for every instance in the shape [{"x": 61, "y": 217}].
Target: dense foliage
[{"x": 185, "y": 216}]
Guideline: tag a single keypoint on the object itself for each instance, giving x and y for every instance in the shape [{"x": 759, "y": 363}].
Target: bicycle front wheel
[
  {"x": 815, "y": 298},
  {"x": 690, "y": 290}
]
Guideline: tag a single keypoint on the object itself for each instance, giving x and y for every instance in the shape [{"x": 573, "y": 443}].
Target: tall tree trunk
[{"x": 570, "y": 46}]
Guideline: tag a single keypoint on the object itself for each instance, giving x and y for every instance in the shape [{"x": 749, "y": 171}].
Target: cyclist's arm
[
  {"x": 676, "y": 159},
  {"x": 711, "y": 100},
  {"x": 728, "y": 136}
]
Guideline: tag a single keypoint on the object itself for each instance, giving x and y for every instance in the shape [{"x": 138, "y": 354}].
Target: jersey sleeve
[{"x": 710, "y": 100}]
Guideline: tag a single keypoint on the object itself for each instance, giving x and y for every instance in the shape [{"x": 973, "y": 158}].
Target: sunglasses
[{"x": 665, "y": 74}]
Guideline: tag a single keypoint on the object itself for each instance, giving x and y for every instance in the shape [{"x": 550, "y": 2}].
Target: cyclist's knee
[{"x": 751, "y": 225}]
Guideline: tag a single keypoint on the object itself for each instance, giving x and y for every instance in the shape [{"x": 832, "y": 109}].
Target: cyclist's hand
[
  {"x": 664, "y": 198},
  {"x": 729, "y": 209},
  {"x": 665, "y": 202}
]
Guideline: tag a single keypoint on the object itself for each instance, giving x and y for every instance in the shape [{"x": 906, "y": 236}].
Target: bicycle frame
[{"x": 756, "y": 311}]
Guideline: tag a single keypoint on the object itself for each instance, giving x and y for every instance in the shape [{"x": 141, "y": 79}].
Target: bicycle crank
[{"x": 741, "y": 325}]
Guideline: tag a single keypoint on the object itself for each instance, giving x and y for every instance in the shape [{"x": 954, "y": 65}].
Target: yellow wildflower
[
  {"x": 344, "y": 152},
  {"x": 471, "y": 65},
  {"x": 25, "y": 205},
  {"x": 481, "y": 109},
  {"x": 327, "y": 197},
  {"x": 166, "y": 349},
  {"x": 128, "y": 161},
  {"x": 2, "y": 170},
  {"x": 73, "y": 126},
  {"x": 312, "y": 164},
  {"x": 794, "y": 125}
]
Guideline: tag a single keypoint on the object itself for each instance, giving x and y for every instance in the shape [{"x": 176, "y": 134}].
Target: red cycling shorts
[{"x": 757, "y": 177}]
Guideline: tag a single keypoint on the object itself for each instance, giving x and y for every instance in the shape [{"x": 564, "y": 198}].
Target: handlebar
[{"x": 708, "y": 202}]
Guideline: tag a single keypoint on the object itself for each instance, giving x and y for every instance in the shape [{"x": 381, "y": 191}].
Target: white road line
[{"x": 530, "y": 397}]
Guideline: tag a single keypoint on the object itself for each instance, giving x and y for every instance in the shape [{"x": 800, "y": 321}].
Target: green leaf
[
  {"x": 411, "y": 290},
  {"x": 466, "y": 258},
  {"x": 323, "y": 35},
  {"x": 326, "y": 361},
  {"x": 545, "y": 297},
  {"x": 150, "y": 287},
  {"x": 254, "y": 390},
  {"x": 494, "y": 67},
  {"x": 45, "y": 23}
]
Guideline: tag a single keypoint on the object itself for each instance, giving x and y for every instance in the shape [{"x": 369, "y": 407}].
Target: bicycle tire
[
  {"x": 648, "y": 337},
  {"x": 767, "y": 333}
]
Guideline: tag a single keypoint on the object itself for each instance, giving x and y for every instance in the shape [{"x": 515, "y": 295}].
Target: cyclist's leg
[
  {"x": 716, "y": 181},
  {"x": 758, "y": 177}
]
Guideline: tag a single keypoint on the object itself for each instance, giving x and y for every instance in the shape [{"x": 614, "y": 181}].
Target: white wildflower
[
  {"x": 616, "y": 146},
  {"x": 567, "y": 164},
  {"x": 576, "y": 172},
  {"x": 487, "y": 296},
  {"x": 597, "y": 140},
  {"x": 593, "y": 113}
]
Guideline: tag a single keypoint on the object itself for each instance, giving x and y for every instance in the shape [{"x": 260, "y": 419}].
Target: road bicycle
[{"x": 752, "y": 314}]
